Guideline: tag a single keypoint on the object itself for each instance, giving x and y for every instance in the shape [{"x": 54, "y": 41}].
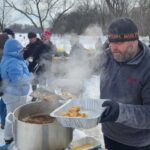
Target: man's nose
[{"x": 114, "y": 48}]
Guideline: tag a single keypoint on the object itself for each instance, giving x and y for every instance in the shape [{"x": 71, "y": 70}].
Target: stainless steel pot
[{"x": 28, "y": 136}]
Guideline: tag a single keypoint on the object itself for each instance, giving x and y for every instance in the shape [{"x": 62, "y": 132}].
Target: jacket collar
[{"x": 139, "y": 57}]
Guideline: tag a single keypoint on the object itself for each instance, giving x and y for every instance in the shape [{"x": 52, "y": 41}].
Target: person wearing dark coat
[
  {"x": 38, "y": 55},
  {"x": 46, "y": 38},
  {"x": 35, "y": 51},
  {"x": 9, "y": 32},
  {"x": 125, "y": 86}
]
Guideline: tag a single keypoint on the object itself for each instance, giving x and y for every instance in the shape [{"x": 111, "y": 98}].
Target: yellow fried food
[
  {"x": 82, "y": 115},
  {"x": 67, "y": 114},
  {"x": 74, "y": 109},
  {"x": 74, "y": 112}
]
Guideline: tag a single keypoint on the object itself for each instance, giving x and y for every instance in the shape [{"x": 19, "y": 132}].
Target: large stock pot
[{"x": 29, "y": 136}]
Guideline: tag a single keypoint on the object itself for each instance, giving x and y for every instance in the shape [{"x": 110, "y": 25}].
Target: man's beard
[{"x": 128, "y": 55}]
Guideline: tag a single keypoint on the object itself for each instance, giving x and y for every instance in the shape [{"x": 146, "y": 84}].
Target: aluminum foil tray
[{"x": 91, "y": 107}]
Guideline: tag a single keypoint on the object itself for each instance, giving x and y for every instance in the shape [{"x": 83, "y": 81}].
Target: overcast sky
[{"x": 16, "y": 17}]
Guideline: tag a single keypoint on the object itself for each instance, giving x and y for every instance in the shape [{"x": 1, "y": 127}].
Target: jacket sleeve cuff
[{"x": 122, "y": 114}]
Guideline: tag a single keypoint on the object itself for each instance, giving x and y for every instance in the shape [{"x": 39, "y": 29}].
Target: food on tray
[
  {"x": 74, "y": 112},
  {"x": 74, "y": 109},
  {"x": 67, "y": 95},
  {"x": 83, "y": 147},
  {"x": 39, "y": 119}
]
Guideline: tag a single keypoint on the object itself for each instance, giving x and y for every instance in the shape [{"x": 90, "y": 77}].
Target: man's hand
[{"x": 111, "y": 112}]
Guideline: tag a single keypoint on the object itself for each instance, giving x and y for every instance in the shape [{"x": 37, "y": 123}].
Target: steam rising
[
  {"x": 93, "y": 30},
  {"x": 70, "y": 73}
]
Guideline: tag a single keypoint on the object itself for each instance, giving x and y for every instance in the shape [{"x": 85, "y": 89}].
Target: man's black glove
[{"x": 111, "y": 112}]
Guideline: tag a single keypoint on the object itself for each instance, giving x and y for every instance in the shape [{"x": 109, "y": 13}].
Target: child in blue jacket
[{"x": 16, "y": 82}]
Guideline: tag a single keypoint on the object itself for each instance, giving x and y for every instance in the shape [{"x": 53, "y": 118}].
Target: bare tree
[
  {"x": 4, "y": 14},
  {"x": 39, "y": 12},
  {"x": 141, "y": 15},
  {"x": 63, "y": 6},
  {"x": 102, "y": 12},
  {"x": 118, "y": 8}
]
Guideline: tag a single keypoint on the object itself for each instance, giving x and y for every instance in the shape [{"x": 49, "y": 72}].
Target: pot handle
[{"x": 9, "y": 117}]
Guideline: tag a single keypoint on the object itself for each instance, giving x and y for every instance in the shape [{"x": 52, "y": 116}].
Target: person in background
[
  {"x": 3, "y": 38},
  {"x": 37, "y": 53},
  {"x": 46, "y": 36},
  {"x": 9, "y": 32},
  {"x": 16, "y": 80},
  {"x": 47, "y": 57},
  {"x": 34, "y": 51},
  {"x": 77, "y": 49},
  {"x": 125, "y": 83},
  {"x": 2, "y": 108}
]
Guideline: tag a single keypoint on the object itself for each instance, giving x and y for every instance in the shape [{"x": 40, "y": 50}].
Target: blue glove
[{"x": 111, "y": 112}]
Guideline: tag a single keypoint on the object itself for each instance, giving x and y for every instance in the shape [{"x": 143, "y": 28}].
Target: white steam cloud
[{"x": 70, "y": 73}]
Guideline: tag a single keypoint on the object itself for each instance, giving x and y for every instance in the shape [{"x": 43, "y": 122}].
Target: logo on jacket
[{"x": 133, "y": 80}]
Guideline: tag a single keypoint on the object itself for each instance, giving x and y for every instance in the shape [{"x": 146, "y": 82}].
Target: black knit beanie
[
  {"x": 9, "y": 32},
  {"x": 31, "y": 35},
  {"x": 122, "y": 29}
]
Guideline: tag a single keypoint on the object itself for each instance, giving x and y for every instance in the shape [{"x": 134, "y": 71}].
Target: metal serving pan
[{"x": 91, "y": 107}]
